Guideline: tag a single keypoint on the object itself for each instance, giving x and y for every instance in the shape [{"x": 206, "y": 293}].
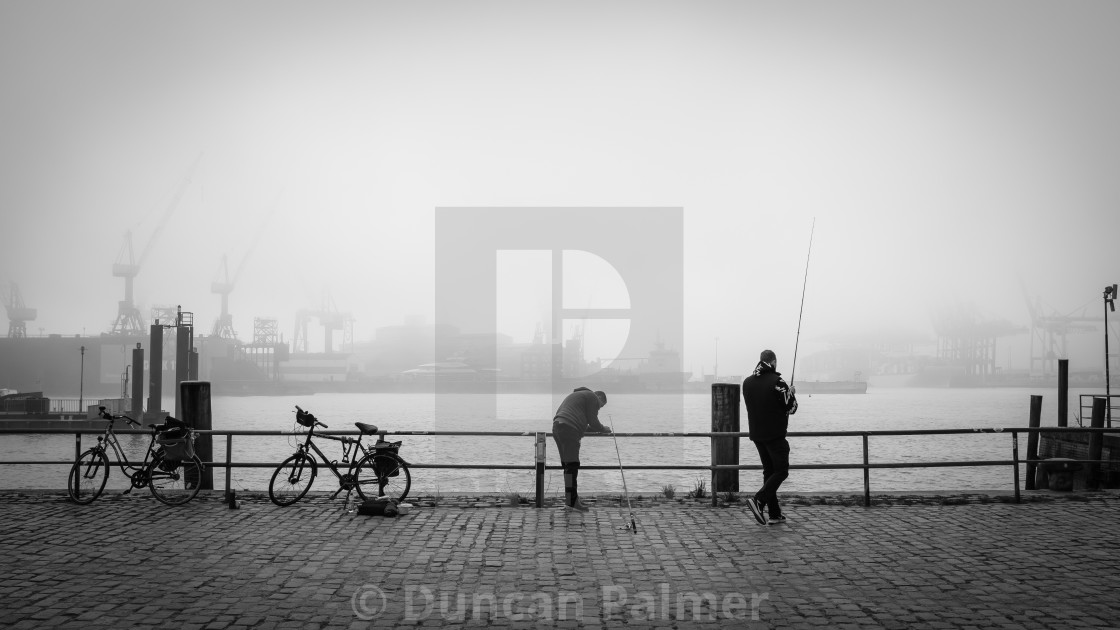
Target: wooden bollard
[
  {"x": 195, "y": 399},
  {"x": 136, "y": 410},
  {"x": 1096, "y": 442},
  {"x": 1063, "y": 392},
  {"x": 725, "y": 451},
  {"x": 1034, "y": 422}
]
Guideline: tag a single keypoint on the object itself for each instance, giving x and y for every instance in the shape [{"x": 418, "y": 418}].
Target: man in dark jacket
[
  {"x": 577, "y": 415},
  {"x": 769, "y": 402}
]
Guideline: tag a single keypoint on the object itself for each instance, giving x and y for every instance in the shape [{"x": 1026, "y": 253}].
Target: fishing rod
[
  {"x": 797, "y": 342},
  {"x": 632, "y": 526}
]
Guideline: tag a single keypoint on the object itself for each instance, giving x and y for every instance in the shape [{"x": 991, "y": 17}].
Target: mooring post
[
  {"x": 540, "y": 452},
  {"x": 137, "y": 410},
  {"x": 1063, "y": 392},
  {"x": 725, "y": 450},
  {"x": 155, "y": 379},
  {"x": 1034, "y": 422},
  {"x": 182, "y": 363},
  {"x": 1096, "y": 442},
  {"x": 194, "y": 397}
]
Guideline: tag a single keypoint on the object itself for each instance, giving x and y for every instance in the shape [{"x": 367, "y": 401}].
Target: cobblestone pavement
[{"x": 130, "y": 562}]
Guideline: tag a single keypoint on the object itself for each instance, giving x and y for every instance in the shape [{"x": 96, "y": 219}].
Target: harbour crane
[
  {"x": 223, "y": 284},
  {"x": 127, "y": 266},
  {"x": 18, "y": 313},
  {"x": 1049, "y": 332},
  {"x": 223, "y": 327},
  {"x": 331, "y": 319}
]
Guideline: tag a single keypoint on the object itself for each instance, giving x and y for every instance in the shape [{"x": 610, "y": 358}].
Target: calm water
[{"x": 879, "y": 409}]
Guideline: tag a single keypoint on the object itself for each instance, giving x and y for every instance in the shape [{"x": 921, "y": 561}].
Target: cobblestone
[{"x": 932, "y": 563}]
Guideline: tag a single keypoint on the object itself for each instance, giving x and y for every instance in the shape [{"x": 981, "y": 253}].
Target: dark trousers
[
  {"x": 567, "y": 442},
  {"x": 775, "y": 469}
]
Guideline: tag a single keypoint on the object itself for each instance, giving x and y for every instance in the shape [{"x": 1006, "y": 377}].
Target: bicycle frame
[
  {"x": 353, "y": 451},
  {"x": 123, "y": 462}
]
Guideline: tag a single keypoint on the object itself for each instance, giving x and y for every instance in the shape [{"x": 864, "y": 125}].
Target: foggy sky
[{"x": 944, "y": 149}]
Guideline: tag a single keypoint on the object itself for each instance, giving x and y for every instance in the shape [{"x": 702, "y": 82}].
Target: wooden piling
[
  {"x": 1096, "y": 442},
  {"x": 137, "y": 407},
  {"x": 182, "y": 364},
  {"x": 155, "y": 380},
  {"x": 725, "y": 451},
  {"x": 1063, "y": 392},
  {"x": 195, "y": 399},
  {"x": 1034, "y": 422}
]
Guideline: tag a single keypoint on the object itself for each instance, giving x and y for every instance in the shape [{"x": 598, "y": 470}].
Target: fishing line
[
  {"x": 632, "y": 526},
  {"x": 804, "y": 283}
]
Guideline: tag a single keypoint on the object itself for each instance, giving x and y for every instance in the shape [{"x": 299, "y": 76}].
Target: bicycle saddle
[{"x": 366, "y": 429}]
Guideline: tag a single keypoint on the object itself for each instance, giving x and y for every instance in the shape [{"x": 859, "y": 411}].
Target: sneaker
[
  {"x": 776, "y": 520},
  {"x": 756, "y": 509},
  {"x": 579, "y": 507}
]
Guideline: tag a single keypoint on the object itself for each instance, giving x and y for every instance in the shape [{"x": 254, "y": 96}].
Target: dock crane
[
  {"x": 223, "y": 327},
  {"x": 223, "y": 284},
  {"x": 1049, "y": 332},
  {"x": 18, "y": 313},
  {"x": 127, "y": 266},
  {"x": 331, "y": 320}
]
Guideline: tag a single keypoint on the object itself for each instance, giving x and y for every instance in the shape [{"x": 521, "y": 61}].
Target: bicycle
[
  {"x": 378, "y": 467},
  {"x": 170, "y": 469}
]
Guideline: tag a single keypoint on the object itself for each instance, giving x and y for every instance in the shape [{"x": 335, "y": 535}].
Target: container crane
[
  {"x": 127, "y": 266},
  {"x": 18, "y": 313}
]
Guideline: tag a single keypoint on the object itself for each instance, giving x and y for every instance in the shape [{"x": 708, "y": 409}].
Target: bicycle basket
[
  {"x": 177, "y": 448},
  {"x": 305, "y": 419}
]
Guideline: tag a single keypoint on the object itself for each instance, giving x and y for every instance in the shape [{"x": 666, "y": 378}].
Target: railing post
[
  {"x": 1015, "y": 459},
  {"x": 1032, "y": 438},
  {"x": 541, "y": 454},
  {"x": 229, "y": 461},
  {"x": 77, "y": 446},
  {"x": 866, "y": 475}
]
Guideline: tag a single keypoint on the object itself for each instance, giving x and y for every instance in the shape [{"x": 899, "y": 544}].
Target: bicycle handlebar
[
  {"x": 307, "y": 416},
  {"x": 105, "y": 415}
]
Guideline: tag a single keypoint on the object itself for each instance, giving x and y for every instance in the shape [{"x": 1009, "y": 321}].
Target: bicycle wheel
[
  {"x": 292, "y": 479},
  {"x": 175, "y": 483},
  {"x": 88, "y": 476},
  {"x": 382, "y": 475}
]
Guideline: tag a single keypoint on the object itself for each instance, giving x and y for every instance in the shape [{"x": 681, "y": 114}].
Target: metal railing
[
  {"x": 1086, "y": 404},
  {"x": 866, "y": 465},
  {"x": 76, "y": 406}
]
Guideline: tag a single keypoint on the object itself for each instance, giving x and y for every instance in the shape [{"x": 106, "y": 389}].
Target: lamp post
[
  {"x": 82, "y": 381},
  {"x": 1109, "y": 305}
]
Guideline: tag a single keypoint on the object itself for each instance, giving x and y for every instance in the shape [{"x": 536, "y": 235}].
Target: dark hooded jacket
[
  {"x": 770, "y": 402},
  {"x": 580, "y": 410}
]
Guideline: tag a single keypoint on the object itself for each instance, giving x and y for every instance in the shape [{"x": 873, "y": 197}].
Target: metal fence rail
[{"x": 866, "y": 465}]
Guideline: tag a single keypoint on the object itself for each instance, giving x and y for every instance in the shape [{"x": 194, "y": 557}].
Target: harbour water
[{"x": 878, "y": 409}]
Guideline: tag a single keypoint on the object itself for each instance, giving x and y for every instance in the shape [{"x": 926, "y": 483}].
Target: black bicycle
[
  {"x": 170, "y": 469},
  {"x": 374, "y": 470}
]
